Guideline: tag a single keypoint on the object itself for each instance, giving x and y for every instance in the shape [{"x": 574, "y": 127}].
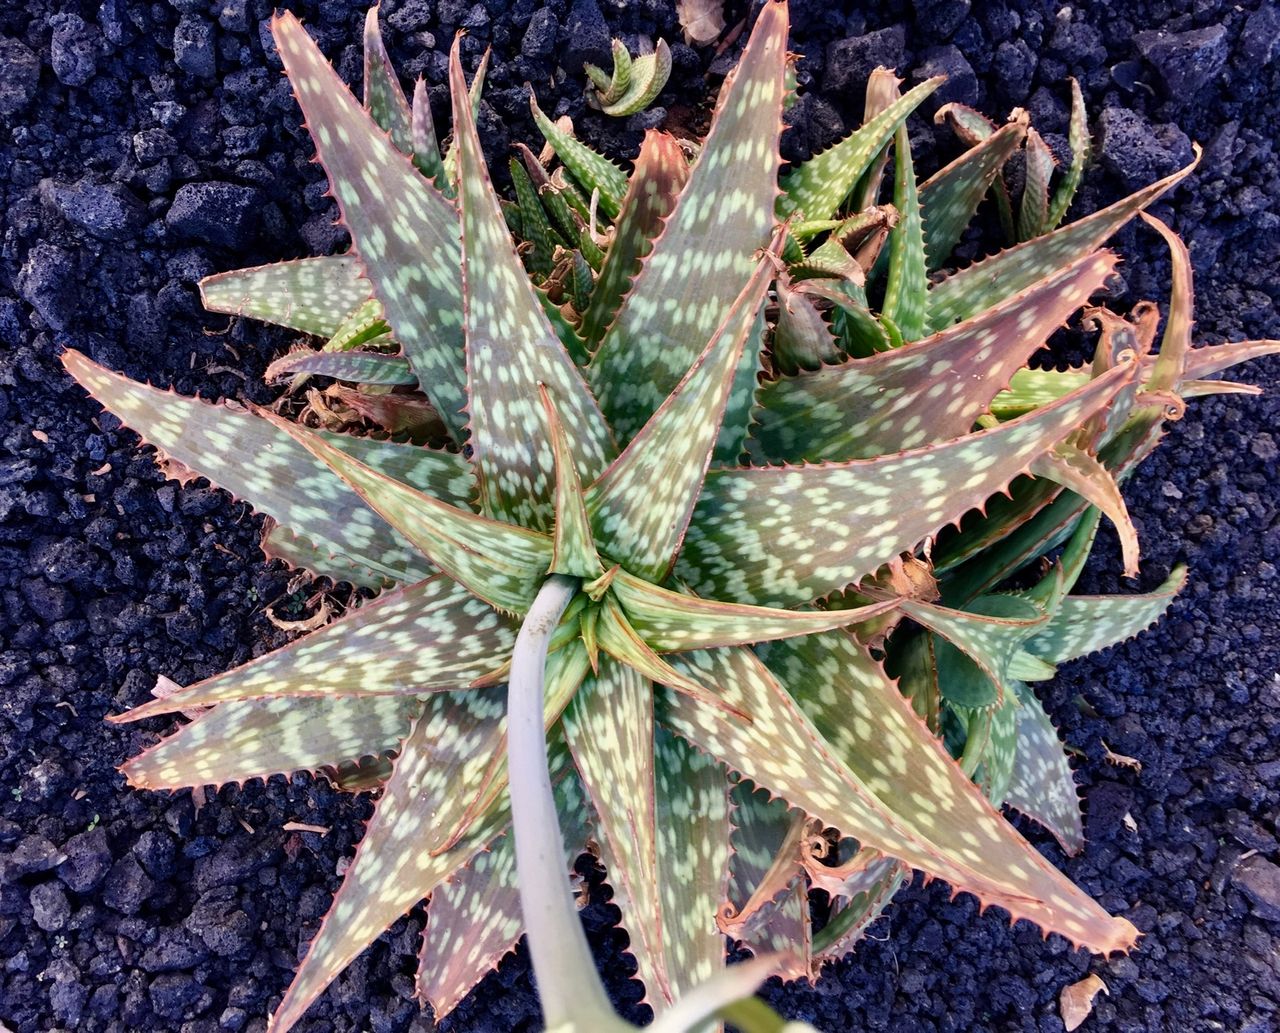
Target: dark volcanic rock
[
  {"x": 1259, "y": 880},
  {"x": 74, "y": 49},
  {"x": 19, "y": 72},
  {"x": 106, "y": 210},
  {"x": 223, "y": 214},
  {"x": 1185, "y": 60},
  {"x": 850, "y": 61},
  {"x": 47, "y": 283},
  {"x": 584, "y": 37},
  {"x": 1138, "y": 152}
]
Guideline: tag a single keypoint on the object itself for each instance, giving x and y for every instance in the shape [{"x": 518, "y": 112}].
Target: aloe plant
[
  {"x": 634, "y": 83},
  {"x": 773, "y": 456}
]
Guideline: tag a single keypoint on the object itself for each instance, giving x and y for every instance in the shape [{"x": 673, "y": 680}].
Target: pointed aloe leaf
[
  {"x": 1033, "y": 211},
  {"x": 866, "y": 776},
  {"x": 736, "y": 424},
  {"x": 672, "y": 622},
  {"x": 693, "y": 859},
  {"x": 930, "y": 391},
  {"x": 1031, "y": 388},
  {"x": 256, "y": 460},
  {"x": 442, "y": 475},
  {"x": 1000, "y": 754},
  {"x": 235, "y": 742},
  {"x": 617, "y": 638},
  {"x": 426, "y": 148},
  {"x": 1081, "y": 472},
  {"x": 974, "y": 128},
  {"x": 641, "y": 505},
  {"x": 500, "y": 563},
  {"x": 866, "y": 897},
  {"x": 907, "y": 287},
  {"x": 1084, "y": 624},
  {"x": 475, "y": 919},
  {"x": 534, "y": 226},
  {"x": 383, "y": 97},
  {"x": 609, "y": 728},
  {"x": 395, "y": 866},
  {"x": 432, "y": 636},
  {"x": 1081, "y": 153},
  {"x": 1175, "y": 346},
  {"x": 1214, "y": 358},
  {"x": 817, "y": 187},
  {"x": 983, "y": 284},
  {"x": 574, "y": 550},
  {"x": 860, "y": 332},
  {"x": 364, "y": 324},
  {"x": 767, "y": 905},
  {"x": 709, "y": 246},
  {"x": 649, "y": 74},
  {"x": 660, "y": 173},
  {"x": 973, "y": 648},
  {"x": 593, "y": 170},
  {"x": 611, "y": 87},
  {"x": 474, "y": 93},
  {"x": 951, "y": 196},
  {"x": 802, "y": 340},
  {"x": 741, "y": 543},
  {"x": 405, "y": 232},
  {"x": 511, "y": 350},
  {"x": 883, "y": 90},
  {"x": 354, "y": 367},
  {"x": 1041, "y": 785},
  {"x": 311, "y": 295}
]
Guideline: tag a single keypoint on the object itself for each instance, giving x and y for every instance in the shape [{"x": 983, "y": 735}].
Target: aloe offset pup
[{"x": 739, "y": 413}]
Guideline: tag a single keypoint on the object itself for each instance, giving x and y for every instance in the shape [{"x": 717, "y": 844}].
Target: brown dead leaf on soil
[{"x": 1075, "y": 1003}]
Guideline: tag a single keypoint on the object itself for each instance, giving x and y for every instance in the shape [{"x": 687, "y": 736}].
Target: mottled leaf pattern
[
  {"x": 801, "y": 340},
  {"x": 867, "y": 895},
  {"x": 1038, "y": 166},
  {"x": 1081, "y": 472},
  {"x": 1081, "y": 152},
  {"x": 1206, "y": 361},
  {"x": 817, "y": 187},
  {"x": 434, "y": 635},
  {"x": 741, "y": 543},
  {"x": 676, "y": 621},
  {"x": 363, "y": 325},
  {"x": 404, "y": 231},
  {"x": 660, "y": 173},
  {"x": 312, "y": 295},
  {"x": 986, "y": 283},
  {"x": 1041, "y": 785},
  {"x": 235, "y": 742},
  {"x": 593, "y": 170},
  {"x": 906, "y": 289},
  {"x": 383, "y": 98},
  {"x": 959, "y": 837},
  {"x": 649, "y": 74},
  {"x": 255, "y": 460},
  {"x": 356, "y": 367},
  {"x": 642, "y": 504},
  {"x": 511, "y": 351},
  {"x": 1084, "y": 624},
  {"x": 707, "y": 250},
  {"x": 574, "y": 550},
  {"x": 931, "y": 391}
]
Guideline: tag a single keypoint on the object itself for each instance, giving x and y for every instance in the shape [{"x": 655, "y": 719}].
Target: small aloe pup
[{"x": 774, "y": 441}]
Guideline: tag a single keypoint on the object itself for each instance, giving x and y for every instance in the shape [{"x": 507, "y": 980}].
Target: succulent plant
[
  {"x": 772, "y": 442},
  {"x": 634, "y": 83}
]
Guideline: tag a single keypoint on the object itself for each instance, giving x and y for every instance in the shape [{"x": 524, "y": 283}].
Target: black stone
[
  {"x": 584, "y": 37},
  {"x": 73, "y": 50},
  {"x": 88, "y": 859},
  {"x": 105, "y": 210},
  {"x": 1185, "y": 61},
  {"x": 19, "y": 73},
  {"x": 851, "y": 61},
  {"x": 222, "y": 214}
]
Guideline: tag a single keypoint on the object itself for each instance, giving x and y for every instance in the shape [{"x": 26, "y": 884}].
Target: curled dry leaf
[
  {"x": 1075, "y": 1003},
  {"x": 702, "y": 20}
]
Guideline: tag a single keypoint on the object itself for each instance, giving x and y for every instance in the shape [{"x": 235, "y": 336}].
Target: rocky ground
[{"x": 146, "y": 144}]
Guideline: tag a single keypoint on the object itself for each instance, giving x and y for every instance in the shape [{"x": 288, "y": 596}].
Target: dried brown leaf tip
[{"x": 738, "y": 401}]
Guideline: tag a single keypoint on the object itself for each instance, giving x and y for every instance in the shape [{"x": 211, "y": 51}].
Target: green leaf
[
  {"x": 235, "y": 742},
  {"x": 864, "y": 776},
  {"x": 534, "y": 226},
  {"x": 426, "y": 148},
  {"x": 906, "y": 291},
  {"x": 475, "y": 918},
  {"x": 672, "y": 622},
  {"x": 593, "y": 170},
  {"x": 736, "y": 424},
  {"x": 1000, "y": 754},
  {"x": 1168, "y": 368},
  {"x": 801, "y": 340},
  {"x": 649, "y": 74},
  {"x": 256, "y": 460},
  {"x": 354, "y": 367},
  {"x": 693, "y": 858},
  {"x": 709, "y": 246},
  {"x": 1081, "y": 153},
  {"x": 950, "y": 198},
  {"x": 660, "y": 173},
  {"x": 406, "y": 233},
  {"x": 860, "y": 332},
  {"x": 474, "y": 94},
  {"x": 383, "y": 97},
  {"x": 1081, "y": 472},
  {"x": 1033, "y": 212},
  {"x": 983, "y": 284},
  {"x": 311, "y": 295},
  {"x": 609, "y": 728},
  {"x": 641, "y": 505},
  {"x": 1084, "y": 624},
  {"x": 741, "y": 542},
  {"x": 511, "y": 350},
  {"x": 932, "y": 391},
  {"x": 883, "y": 90},
  {"x": 1031, "y": 388},
  {"x": 363, "y": 325},
  {"x": 611, "y": 87},
  {"x": 574, "y": 550},
  {"x": 1041, "y": 785},
  {"x": 445, "y": 756},
  {"x": 426, "y": 638},
  {"x": 501, "y": 563},
  {"x": 817, "y": 187}
]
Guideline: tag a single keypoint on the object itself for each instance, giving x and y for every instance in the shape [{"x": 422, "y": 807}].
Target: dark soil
[{"x": 146, "y": 144}]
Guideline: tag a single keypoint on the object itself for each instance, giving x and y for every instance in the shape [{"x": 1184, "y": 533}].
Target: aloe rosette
[{"x": 776, "y": 457}]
